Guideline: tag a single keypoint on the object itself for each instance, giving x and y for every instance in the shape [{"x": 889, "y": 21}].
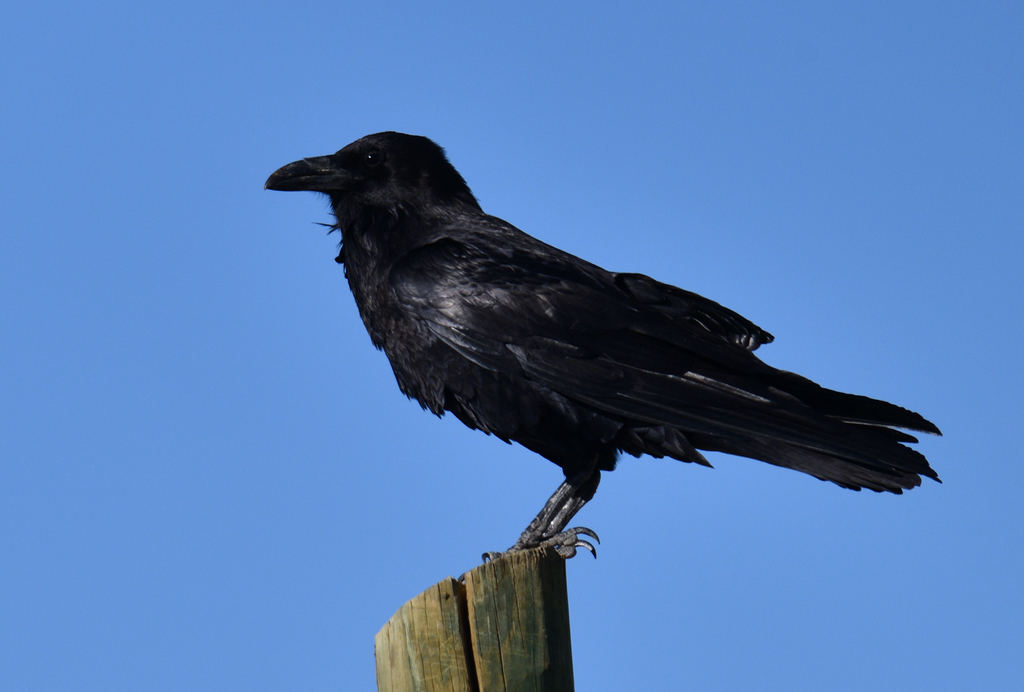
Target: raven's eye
[{"x": 373, "y": 158}]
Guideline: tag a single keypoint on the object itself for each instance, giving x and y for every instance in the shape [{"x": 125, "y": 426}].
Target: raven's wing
[
  {"x": 680, "y": 305},
  {"x": 645, "y": 354}
]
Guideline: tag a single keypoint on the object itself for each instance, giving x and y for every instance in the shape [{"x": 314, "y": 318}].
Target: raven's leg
[{"x": 548, "y": 527}]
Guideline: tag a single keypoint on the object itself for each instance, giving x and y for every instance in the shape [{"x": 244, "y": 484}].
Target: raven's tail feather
[
  {"x": 853, "y": 408},
  {"x": 847, "y": 439},
  {"x": 900, "y": 470}
]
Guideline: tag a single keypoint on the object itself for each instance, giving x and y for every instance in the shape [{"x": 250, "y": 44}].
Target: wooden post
[
  {"x": 422, "y": 647},
  {"x": 505, "y": 630}
]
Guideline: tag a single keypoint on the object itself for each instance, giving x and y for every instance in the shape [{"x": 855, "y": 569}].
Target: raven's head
[{"x": 388, "y": 169}]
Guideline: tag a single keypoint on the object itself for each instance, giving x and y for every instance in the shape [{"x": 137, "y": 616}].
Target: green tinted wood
[
  {"x": 505, "y": 630},
  {"x": 421, "y": 648},
  {"x": 519, "y": 623}
]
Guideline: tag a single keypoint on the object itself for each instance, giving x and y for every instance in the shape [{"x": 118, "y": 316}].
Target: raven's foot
[{"x": 564, "y": 543}]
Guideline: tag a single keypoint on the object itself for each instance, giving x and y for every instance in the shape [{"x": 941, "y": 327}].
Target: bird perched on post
[{"x": 531, "y": 344}]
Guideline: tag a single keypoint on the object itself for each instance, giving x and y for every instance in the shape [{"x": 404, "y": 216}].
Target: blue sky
[{"x": 209, "y": 480}]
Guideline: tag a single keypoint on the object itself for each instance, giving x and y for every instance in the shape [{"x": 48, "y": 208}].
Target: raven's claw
[{"x": 564, "y": 543}]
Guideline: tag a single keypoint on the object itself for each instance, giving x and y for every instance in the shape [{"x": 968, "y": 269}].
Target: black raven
[{"x": 521, "y": 340}]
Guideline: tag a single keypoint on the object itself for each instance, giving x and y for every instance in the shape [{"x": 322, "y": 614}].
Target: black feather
[{"x": 534, "y": 345}]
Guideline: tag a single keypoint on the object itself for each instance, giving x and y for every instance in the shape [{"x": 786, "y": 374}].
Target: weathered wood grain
[
  {"x": 423, "y": 647},
  {"x": 505, "y": 630},
  {"x": 519, "y": 623}
]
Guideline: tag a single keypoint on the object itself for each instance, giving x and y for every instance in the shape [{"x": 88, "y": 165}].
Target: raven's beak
[{"x": 317, "y": 174}]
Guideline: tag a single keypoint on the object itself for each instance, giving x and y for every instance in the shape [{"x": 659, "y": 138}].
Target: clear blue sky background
[{"x": 209, "y": 480}]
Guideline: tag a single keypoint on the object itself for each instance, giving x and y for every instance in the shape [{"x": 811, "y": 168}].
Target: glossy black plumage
[{"x": 531, "y": 344}]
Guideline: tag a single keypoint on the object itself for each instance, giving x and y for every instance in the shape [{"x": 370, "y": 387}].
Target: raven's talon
[
  {"x": 566, "y": 543},
  {"x": 588, "y": 545},
  {"x": 568, "y": 551},
  {"x": 586, "y": 532}
]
